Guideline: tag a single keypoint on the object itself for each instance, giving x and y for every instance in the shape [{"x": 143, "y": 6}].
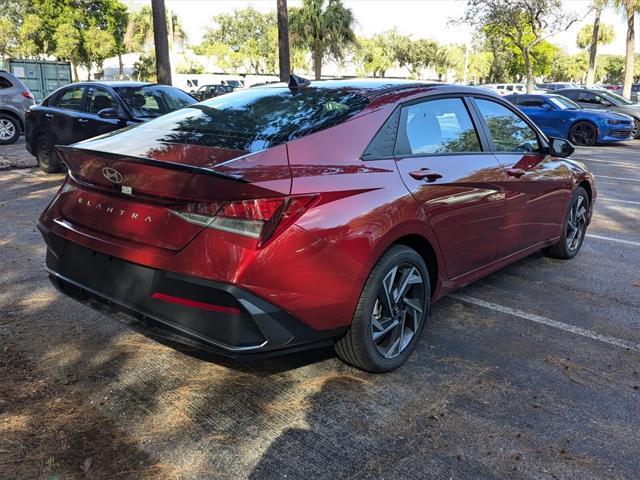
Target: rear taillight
[
  {"x": 261, "y": 219},
  {"x": 27, "y": 94}
]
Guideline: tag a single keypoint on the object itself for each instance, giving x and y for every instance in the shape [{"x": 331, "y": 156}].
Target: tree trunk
[
  {"x": 317, "y": 63},
  {"x": 161, "y": 42},
  {"x": 628, "y": 69},
  {"x": 283, "y": 41},
  {"x": 120, "y": 67},
  {"x": 74, "y": 68},
  {"x": 593, "y": 50},
  {"x": 529, "y": 68}
]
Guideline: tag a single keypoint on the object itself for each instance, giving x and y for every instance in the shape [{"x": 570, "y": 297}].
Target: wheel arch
[
  {"x": 15, "y": 116},
  {"x": 424, "y": 248},
  {"x": 584, "y": 120}
]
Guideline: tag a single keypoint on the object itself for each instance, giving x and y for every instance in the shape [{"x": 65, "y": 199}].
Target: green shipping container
[{"x": 41, "y": 77}]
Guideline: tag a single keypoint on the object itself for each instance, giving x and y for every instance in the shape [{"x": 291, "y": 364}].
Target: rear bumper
[{"x": 212, "y": 316}]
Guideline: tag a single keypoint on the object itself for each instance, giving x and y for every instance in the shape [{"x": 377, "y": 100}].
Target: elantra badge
[{"x": 112, "y": 175}]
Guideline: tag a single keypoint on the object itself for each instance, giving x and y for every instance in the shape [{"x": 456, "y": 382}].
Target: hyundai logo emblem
[{"x": 112, "y": 175}]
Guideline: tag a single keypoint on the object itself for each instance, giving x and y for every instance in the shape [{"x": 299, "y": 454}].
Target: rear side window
[
  {"x": 5, "y": 83},
  {"x": 436, "y": 126},
  {"x": 255, "y": 119},
  {"x": 70, "y": 99},
  {"x": 510, "y": 133}
]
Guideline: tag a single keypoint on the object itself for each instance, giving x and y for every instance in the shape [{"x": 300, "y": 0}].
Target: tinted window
[
  {"x": 70, "y": 99},
  {"x": 531, "y": 102},
  {"x": 4, "y": 83},
  {"x": 99, "y": 99},
  {"x": 437, "y": 126},
  {"x": 152, "y": 101},
  {"x": 252, "y": 120},
  {"x": 572, "y": 95},
  {"x": 510, "y": 133}
]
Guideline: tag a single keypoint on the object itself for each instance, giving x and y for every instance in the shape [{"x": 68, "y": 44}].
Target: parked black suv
[{"x": 79, "y": 111}]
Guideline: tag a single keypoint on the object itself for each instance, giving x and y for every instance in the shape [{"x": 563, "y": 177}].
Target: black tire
[
  {"x": 583, "y": 134},
  {"x": 567, "y": 246},
  {"x": 9, "y": 129},
  {"x": 636, "y": 127},
  {"x": 48, "y": 159},
  {"x": 358, "y": 347}
]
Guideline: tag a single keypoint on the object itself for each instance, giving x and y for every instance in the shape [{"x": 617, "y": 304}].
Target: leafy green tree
[
  {"x": 606, "y": 34},
  {"x": 325, "y": 28},
  {"x": 144, "y": 69},
  {"x": 568, "y": 68},
  {"x": 525, "y": 23},
  {"x": 449, "y": 60},
  {"x": 416, "y": 55},
  {"x": 479, "y": 66},
  {"x": 70, "y": 46},
  {"x": 377, "y": 54},
  {"x": 8, "y": 37},
  {"x": 99, "y": 45},
  {"x": 248, "y": 35},
  {"x": 117, "y": 21}
]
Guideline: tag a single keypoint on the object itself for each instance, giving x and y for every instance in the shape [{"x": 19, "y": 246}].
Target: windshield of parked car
[
  {"x": 564, "y": 103},
  {"x": 615, "y": 98},
  {"x": 150, "y": 101},
  {"x": 255, "y": 119}
]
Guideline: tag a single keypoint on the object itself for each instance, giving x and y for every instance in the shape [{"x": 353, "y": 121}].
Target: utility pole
[
  {"x": 283, "y": 41},
  {"x": 161, "y": 41}
]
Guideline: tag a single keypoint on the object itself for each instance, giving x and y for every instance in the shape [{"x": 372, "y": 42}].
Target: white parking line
[
  {"x": 619, "y": 178},
  {"x": 618, "y": 342},
  {"x": 611, "y": 239},
  {"x": 620, "y": 164},
  {"x": 631, "y": 202}
]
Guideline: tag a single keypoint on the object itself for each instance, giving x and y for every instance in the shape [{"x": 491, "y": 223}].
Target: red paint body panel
[{"x": 475, "y": 218}]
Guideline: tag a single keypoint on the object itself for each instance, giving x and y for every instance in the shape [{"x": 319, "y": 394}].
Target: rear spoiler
[{"x": 180, "y": 167}]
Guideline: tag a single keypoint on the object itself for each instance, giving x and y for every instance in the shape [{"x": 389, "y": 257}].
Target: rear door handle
[
  {"x": 425, "y": 174},
  {"x": 83, "y": 121},
  {"x": 48, "y": 115},
  {"x": 515, "y": 172}
]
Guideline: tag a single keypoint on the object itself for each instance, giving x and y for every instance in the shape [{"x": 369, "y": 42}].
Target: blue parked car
[{"x": 557, "y": 116}]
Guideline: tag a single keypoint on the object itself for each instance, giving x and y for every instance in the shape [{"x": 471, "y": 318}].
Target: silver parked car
[{"x": 15, "y": 100}]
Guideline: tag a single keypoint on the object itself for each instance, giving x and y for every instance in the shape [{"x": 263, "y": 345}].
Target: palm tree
[
  {"x": 283, "y": 41},
  {"x": 325, "y": 28},
  {"x": 598, "y": 6},
  {"x": 630, "y": 7},
  {"x": 139, "y": 35}
]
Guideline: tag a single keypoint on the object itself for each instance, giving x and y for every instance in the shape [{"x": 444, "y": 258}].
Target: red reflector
[
  {"x": 185, "y": 302},
  {"x": 27, "y": 94}
]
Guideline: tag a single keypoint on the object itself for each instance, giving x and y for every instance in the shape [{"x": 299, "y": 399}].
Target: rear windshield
[
  {"x": 255, "y": 119},
  {"x": 152, "y": 101}
]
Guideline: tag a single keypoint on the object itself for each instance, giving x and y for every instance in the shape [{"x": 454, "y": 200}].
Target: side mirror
[
  {"x": 112, "y": 113},
  {"x": 559, "y": 147}
]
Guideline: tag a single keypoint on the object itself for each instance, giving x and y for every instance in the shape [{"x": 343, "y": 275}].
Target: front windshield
[
  {"x": 564, "y": 103},
  {"x": 616, "y": 99}
]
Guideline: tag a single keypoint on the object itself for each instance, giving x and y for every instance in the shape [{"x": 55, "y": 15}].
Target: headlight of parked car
[{"x": 616, "y": 122}]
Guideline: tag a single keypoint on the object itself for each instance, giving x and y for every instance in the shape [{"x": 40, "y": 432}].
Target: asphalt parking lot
[{"x": 533, "y": 372}]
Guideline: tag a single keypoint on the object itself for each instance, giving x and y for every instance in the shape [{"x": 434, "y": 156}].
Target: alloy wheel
[
  {"x": 7, "y": 129},
  {"x": 576, "y": 223},
  {"x": 397, "y": 310},
  {"x": 583, "y": 134},
  {"x": 44, "y": 154}
]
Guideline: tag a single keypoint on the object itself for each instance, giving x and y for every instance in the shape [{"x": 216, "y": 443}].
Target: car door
[
  {"x": 440, "y": 157},
  {"x": 542, "y": 113},
  {"x": 65, "y": 116},
  {"x": 537, "y": 186},
  {"x": 99, "y": 98}
]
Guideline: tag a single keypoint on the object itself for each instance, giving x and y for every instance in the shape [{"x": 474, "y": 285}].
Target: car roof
[
  {"x": 115, "y": 83},
  {"x": 377, "y": 87}
]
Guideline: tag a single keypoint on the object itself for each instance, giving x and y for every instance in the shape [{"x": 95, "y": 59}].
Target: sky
[{"x": 418, "y": 18}]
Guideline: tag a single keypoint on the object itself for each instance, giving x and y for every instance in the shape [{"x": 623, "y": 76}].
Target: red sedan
[{"x": 285, "y": 217}]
